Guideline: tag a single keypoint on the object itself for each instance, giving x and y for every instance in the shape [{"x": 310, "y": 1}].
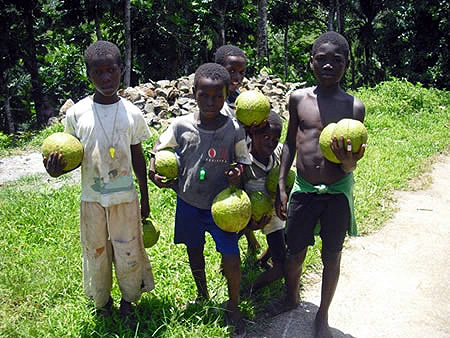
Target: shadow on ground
[{"x": 297, "y": 323}]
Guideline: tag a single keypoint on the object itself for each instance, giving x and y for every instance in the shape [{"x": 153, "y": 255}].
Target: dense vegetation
[
  {"x": 42, "y": 43},
  {"x": 40, "y": 254}
]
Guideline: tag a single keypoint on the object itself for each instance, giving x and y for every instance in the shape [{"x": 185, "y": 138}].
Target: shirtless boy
[{"x": 323, "y": 190}]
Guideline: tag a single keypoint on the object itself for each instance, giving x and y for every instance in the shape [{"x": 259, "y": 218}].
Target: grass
[{"x": 40, "y": 254}]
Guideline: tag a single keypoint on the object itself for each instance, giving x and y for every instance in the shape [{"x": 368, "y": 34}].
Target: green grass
[{"x": 40, "y": 254}]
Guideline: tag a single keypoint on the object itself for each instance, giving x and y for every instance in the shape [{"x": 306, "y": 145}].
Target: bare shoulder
[
  {"x": 359, "y": 110},
  {"x": 298, "y": 94}
]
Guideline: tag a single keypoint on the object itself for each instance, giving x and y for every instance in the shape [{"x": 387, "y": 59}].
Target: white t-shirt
[{"x": 107, "y": 179}]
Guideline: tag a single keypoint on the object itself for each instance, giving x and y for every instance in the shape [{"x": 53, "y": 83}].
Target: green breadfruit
[
  {"x": 65, "y": 144},
  {"x": 150, "y": 233},
  {"x": 324, "y": 142},
  {"x": 262, "y": 204},
  {"x": 252, "y": 107},
  {"x": 166, "y": 163},
  {"x": 352, "y": 129},
  {"x": 231, "y": 209},
  {"x": 272, "y": 180}
]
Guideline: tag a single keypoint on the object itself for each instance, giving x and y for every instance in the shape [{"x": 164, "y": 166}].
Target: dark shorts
[
  {"x": 191, "y": 223},
  {"x": 306, "y": 210},
  {"x": 277, "y": 245}
]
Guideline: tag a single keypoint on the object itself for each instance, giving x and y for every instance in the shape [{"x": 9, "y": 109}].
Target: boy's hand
[
  {"x": 344, "y": 153},
  {"x": 54, "y": 164},
  {"x": 281, "y": 204},
  {"x": 253, "y": 225},
  {"x": 234, "y": 174},
  {"x": 160, "y": 181},
  {"x": 254, "y": 127}
]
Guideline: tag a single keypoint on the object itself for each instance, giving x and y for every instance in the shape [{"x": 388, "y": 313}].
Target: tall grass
[{"x": 40, "y": 254}]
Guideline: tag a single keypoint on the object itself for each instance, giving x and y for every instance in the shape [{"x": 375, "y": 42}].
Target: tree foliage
[{"x": 43, "y": 41}]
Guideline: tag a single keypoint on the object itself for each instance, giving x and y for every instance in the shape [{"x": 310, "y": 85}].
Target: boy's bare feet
[
  {"x": 127, "y": 314},
  {"x": 280, "y": 305},
  {"x": 234, "y": 318},
  {"x": 321, "y": 327},
  {"x": 106, "y": 310}
]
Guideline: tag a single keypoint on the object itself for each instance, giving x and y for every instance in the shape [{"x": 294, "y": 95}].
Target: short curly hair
[
  {"x": 101, "y": 48},
  {"x": 228, "y": 50},
  {"x": 334, "y": 38},
  {"x": 212, "y": 71}
]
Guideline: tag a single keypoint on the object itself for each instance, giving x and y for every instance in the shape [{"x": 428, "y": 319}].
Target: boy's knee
[
  {"x": 231, "y": 260},
  {"x": 331, "y": 259}
]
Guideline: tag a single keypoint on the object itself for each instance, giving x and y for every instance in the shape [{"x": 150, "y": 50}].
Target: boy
[
  {"x": 206, "y": 144},
  {"x": 111, "y": 130},
  {"x": 265, "y": 151},
  {"x": 310, "y": 110},
  {"x": 234, "y": 60}
]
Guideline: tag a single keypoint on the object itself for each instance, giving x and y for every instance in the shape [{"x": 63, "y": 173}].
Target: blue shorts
[{"x": 191, "y": 223}]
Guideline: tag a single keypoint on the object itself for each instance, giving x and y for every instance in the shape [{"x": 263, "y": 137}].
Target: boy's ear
[{"x": 311, "y": 62}]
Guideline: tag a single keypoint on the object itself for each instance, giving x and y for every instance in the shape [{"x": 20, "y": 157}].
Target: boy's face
[
  {"x": 210, "y": 96},
  {"x": 265, "y": 141},
  {"x": 328, "y": 64},
  {"x": 104, "y": 72},
  {"x": 236, "y": 66}
]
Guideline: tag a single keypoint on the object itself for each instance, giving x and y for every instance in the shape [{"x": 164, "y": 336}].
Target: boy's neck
[
  {"x": 328, "y": 90},
  {"x": 260, "y": 158},
  {"x": 101, "y": 99},
  {"x": 211, "y": 124}
]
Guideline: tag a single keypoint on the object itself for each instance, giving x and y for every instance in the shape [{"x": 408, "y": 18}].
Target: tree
[
  {"x": 262, "y": 29},
  {"x": 127, "y": 73}
]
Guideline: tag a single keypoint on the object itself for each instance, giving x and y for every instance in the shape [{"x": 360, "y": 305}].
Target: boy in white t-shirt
[{"x": 111, "y": 130}]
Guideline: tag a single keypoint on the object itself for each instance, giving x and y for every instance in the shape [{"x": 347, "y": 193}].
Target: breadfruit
[
  {"x": 65, "y": 144},
  {"x": 231, "y": 209},
  {"x": 252, "y": 107}
]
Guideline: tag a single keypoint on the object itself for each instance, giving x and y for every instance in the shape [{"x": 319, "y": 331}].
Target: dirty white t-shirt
[{"x": 105, "y": 179}]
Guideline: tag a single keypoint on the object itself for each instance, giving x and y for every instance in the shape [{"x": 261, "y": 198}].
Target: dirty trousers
[{"x": 113, "y": 235}]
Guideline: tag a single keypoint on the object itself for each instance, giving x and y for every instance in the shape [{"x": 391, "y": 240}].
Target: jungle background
[{"x": 42, "y": 44}]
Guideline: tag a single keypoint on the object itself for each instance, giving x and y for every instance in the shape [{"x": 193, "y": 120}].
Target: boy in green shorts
[{"x": 323, "y": 190}]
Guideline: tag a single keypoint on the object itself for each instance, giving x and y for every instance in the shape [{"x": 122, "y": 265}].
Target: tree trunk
[
  {"x": 32, "y": 67},
  {"x": 286, "y": 51},
  {"x": 262, "y": 29},
  {"x": 220, "y": 7},
  {"x": 98, "y": 30},
  {"x": 6, "y": 106},
  {"x": 127, "y": 73},
  {"x": 331, "y": 15},
  {"x": 340, "y": 5}
]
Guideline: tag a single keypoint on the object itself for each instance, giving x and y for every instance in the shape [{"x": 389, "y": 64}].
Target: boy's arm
[
  {"x": 287, "y": 155},
  {"x": 140, "y": 170}
]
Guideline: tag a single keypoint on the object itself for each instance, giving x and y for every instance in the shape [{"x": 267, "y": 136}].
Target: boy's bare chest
[{"x": 315, "y": 113}]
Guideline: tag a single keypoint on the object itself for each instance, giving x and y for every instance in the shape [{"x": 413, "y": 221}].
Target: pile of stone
[{"x": 161, "y": 101}]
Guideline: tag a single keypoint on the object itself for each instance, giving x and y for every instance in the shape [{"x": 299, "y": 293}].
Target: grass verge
[{"x": 40, "y": 254}]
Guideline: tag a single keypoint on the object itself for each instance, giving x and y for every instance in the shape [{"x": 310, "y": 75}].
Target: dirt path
[{"x": 394, "y": 283}]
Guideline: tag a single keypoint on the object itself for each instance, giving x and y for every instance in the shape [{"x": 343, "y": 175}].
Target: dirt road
[{"x": 394, "y": 283}]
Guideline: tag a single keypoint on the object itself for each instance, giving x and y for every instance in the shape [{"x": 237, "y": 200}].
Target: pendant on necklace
[{"x": 112, "y": 151}]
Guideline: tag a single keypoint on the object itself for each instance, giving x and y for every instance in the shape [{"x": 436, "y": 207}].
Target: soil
[{"x": 393, "y": 283}]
